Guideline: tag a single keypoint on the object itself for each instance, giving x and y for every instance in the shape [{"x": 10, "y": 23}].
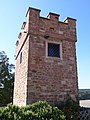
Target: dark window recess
[
  {"x": 53, "y": 50},
  {"x": 21, "y": 57}
]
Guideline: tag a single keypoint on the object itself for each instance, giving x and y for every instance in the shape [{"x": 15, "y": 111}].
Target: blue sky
[{"x": 12, "y": 15}]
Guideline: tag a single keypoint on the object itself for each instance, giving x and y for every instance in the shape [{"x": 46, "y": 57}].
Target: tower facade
[{"x": 46, "y": 66}]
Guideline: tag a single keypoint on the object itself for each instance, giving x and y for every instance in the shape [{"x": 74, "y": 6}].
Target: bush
[
  {"x": 37, "y": 111},
  {"x": 70, "y": 108},
  {"x": 11, "y": 112}
]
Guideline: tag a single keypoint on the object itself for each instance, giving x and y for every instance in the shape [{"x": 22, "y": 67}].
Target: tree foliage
[
  {"x": 6, "y": 79},
  {"x": 84, "y": 94}
]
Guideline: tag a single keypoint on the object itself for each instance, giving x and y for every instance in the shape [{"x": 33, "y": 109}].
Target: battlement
[{"x": 51, "y": 16}]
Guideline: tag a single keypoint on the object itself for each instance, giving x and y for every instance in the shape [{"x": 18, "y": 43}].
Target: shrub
[
  {"x": 37, "y": 111},
  {"x": 11, "y": 112},
  {"x": 43, "y": 111},
  {"x": 70, "y": 108}
]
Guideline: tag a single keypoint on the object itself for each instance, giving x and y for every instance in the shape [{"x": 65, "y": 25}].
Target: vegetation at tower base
[
  {"x": 70, "y": 108},
  {"x": 37, "y": 111},
  {"x": 6, "y": 80}
]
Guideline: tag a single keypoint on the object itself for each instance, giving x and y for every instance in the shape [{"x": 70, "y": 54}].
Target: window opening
[
  {"x": 53, "y": 50},
  {"x": 21, "y": 58}
]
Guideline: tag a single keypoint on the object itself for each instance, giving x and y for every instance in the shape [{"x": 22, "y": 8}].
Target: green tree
[{"x": 6, "y": 79}]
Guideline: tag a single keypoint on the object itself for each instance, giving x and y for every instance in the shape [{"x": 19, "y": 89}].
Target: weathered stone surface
[{"x": 39, "y": 77}]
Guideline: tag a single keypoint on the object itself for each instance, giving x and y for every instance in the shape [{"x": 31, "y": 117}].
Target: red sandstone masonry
[{"x": 39, "y": 77}]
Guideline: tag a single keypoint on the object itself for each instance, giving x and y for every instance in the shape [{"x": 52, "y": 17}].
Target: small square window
[{"x": 53, "y": 50}]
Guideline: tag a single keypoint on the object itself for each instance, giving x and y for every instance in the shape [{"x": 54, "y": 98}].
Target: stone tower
[{"x": 46, "y": 66}]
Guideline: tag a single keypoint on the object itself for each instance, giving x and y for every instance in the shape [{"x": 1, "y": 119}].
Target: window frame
[{"x": 60, "y": 49}]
